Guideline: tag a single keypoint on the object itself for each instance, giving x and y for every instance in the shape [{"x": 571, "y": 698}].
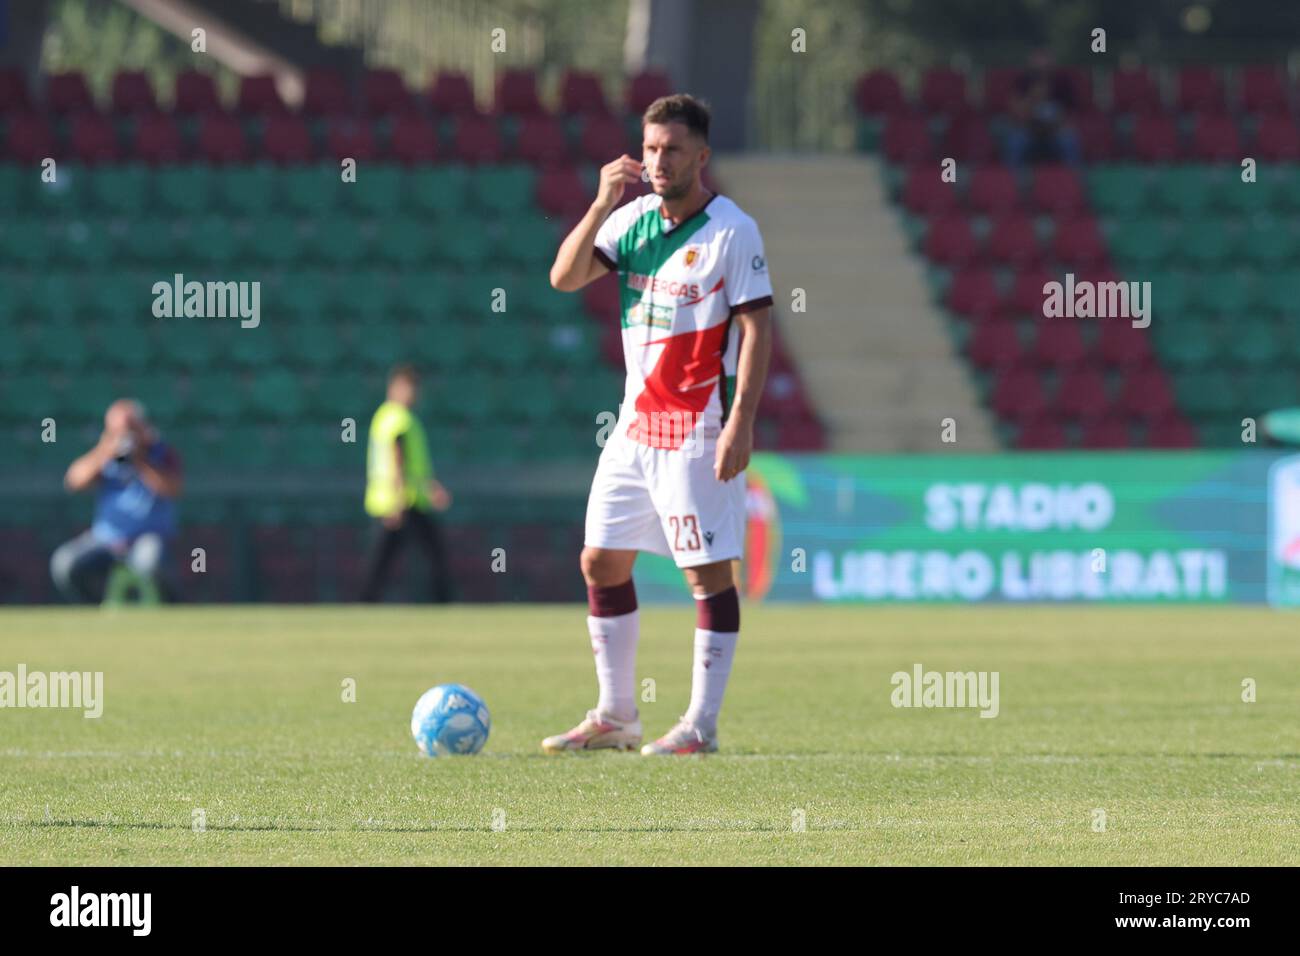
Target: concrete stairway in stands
[{"x": 871, "y": 346}]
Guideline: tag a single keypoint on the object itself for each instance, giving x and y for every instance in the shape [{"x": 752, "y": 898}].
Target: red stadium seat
[
  {"x": 196, "y": 94},
  {"x": 1120, "y": 345},
  {"x": 1145, "y": 393},
  {"x": 644, "y": 88},
  {"x": 1026, "y": 296},
  {"x": 1277, "y": 139},
  {"x": 581, "y": 93},
  {"x": 1106, "y": 433},
  {"x": 1171, "y": 431},
  {"x": 879, "y": 92},
  {"x": 414, "y": 140},
  {"x": 1095, "y": 135},
  {"x": 452, "y": 94},
  {"x": 326, "y": 93},
  {"x": 516, "y": 93},
  {"x": 1018, "y": 395},
  {"x": 93, "y": 139},
  {"x": 476, "y": 140},
  {"x": 968, "y": 139},
  {"x": 1080, "y": 80},
  {"x": 560, "y": 192},
  {"x": 1155, "y": 139},
  {"x": 1013, "y": 241},
  {"x": 603, "y": 140},
  {"x": 31, "y": 138},
  {"x": 67, "y": 93},
  {"x": 1215, "y": 138},
  {"x": 1134, "y": 91},
  {"x": 994, "y": 190},
  {"x": 999, "y": 87},
  {"x": 907, "y": 139},
  {"x": 602, "y": 301},
  {"x": 1081, "y": 394},
  {"x": 221, "y": 139},
  {"x": 1041, "y": 434},
  {"x": 1200, "y": 90},
  {"x": 541, "y": 141},
  {"x": 1078, "y": 243},
  {"x": 258, "y": 96},
  {"x": 1058, "y": 343},
  {"x": 14, "y": 97},
  {"x": 350, "y": 138},
  {"x": 158, "y": 140},
  {"x": 286, "y": 140},
  {"x": 995, "y": 343},
  {"x": 943, "y": 91},
  {"x": 1057, "y": 190},
  {"x": 926, "y": 194},
  {"x": 1263, "y": 90},
  {"x": 950, "y": 242},
  {"x": 133, "y": 93},
  {"x": 974, "y": 292},
  {"x": 384, "y": 93}
]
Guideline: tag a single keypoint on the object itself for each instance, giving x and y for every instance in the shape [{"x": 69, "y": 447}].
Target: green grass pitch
[{"x": 238, "y": 712}]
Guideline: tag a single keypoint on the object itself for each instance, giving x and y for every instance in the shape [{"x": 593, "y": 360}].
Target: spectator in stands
[
  {"x": 1041, "y": 102},
  {"x": 401, "y": 491},
  {"x": 138, "y": 478}
]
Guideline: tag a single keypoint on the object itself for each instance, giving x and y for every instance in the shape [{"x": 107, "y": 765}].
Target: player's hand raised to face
[{"x": 614, "y": 178}]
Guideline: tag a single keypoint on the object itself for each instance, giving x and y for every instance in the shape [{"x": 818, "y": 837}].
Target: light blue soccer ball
[{"x": 450, "y": 719}]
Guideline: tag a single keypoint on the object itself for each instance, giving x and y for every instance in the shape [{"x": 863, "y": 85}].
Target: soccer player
[
  {"x": 401, "y": 491},
  {"x": 138, "y": 478},
  {"x": 696, "y": 321}
]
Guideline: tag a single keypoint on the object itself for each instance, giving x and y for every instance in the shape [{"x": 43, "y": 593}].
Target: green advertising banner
[{"x": 1198, "y": 527}]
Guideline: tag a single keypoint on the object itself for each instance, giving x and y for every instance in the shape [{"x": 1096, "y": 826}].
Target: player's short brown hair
[
  {"x": 404, "y": 371},
  {"x": 679, "y": 108}
]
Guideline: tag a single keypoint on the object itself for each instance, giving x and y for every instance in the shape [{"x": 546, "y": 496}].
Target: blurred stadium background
[{"x": 920, "y": 297}]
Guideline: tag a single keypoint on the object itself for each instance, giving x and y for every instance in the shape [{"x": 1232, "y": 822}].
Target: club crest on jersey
[{"x": 692, "y": 255}]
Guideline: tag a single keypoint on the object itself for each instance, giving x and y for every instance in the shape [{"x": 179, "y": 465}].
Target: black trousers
[{"x": 386, "y": 543}]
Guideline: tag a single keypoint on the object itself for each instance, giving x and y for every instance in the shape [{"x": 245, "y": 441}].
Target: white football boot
[
  {"x": 684, "y": 738},
  {"x": 597, "y": 732}
]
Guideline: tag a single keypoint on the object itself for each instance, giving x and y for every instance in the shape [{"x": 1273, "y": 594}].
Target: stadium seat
[
  {"x": 950, "y": 242},
  {"x": 999, "y": 86},
  {"x": 1081, "y": 394},
  {"x": 516, "y": 93},
  {"x": 259, "y": 96},
  {"x": 350, "y": 138},
  {"x": 286, "y": 140},
  {"x": 67, "y": 93},
  {"x": 1058, "y": 343},
  {"x": 132, "y": 93},
  {"x": 1105, "y": 433},
  {"x": 1133, "y": 90},
  {"x": 560, "y": 192},
  {"x": 476, "y": 140},
  {"x": 907, "y": 140},
  {"x": 581, "y": 94},
  {"x": 1145, "y": 393},
  {"x": 503, "y": 190},
  {"x": 995, "y": 343},
  {"x": 413, "y": 140},
  {"x": 325, "y": 94},
  {"x": 1057, "y": 190},
  {"x": 158, "y": 140},
  {"x": 1200, "y": 89},
  {"x": 1215, "y": 138},
  {"x": 644, "y": 88},
  {"x": 221, "y": 140},
  {"x": 93, "y": 139},
  {"x": 378, "y": 190},
  {"x": 1155, "y": 139},
  {"x": 196, "y": 94},
  {"x": 1277, "y": 139},
  {"x": 30, "y": 139},
  {"x": 876, "y": 92},
  {"x": 540, "y": 141},
  {"x": 926, "y": 194},
  {"x": 452, "y": 94},
  {"x": 968, "y": 140},
  {"x": 943, "y": 90},
  {"x": 1012, "y": 241},
  {"x": 974, "y": 292},
  {"x": 1096, "y": 135},
  {"x": 1026, "y": 296},
  {"x": 994, "y": 190},
  {"x": 1018, "y": 395},
  {"x": 1078, "y": 243},
  {"x": 603, "y": 139},
  {"x": 14, "y": 97},
  {"x": 384, "y": 92},
  {"x": 442, "y": 190}
]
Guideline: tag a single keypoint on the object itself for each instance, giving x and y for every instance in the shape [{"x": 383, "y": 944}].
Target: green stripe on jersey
[{"x": 645, "y": 247}]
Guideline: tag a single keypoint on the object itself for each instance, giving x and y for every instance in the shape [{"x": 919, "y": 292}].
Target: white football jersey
[{"x": 681, "y": 285}]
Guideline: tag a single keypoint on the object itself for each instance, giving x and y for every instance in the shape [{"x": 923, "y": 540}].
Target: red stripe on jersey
[{"x": 677, "y": 390}]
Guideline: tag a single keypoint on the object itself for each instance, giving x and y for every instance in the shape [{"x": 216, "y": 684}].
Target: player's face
[{"x": 673, "y": 157}]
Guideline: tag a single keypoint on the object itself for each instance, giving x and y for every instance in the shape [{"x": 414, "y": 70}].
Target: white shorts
[{"x": 665, "y": 501}]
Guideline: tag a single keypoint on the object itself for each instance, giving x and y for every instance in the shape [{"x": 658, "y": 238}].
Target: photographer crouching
[{"x": 137, "y": 478}]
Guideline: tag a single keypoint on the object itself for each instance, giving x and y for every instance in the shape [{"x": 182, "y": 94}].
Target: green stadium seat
[
  {"x": 1140, "y": 245},
  {"x": 1251, "y": 342},
  {"x": 277, "y": 241},
  {"x": 1243, "y": 200},
  {"x": 362, "y": 298},
  {"x": 69, "y": 193},
  {"x": 216, "y": 242},
  {"x": 246, "y": 190},
  {"x": 445, "y": 345},
  {"x": 302, "y": 297},
  {"x": 311, "y": 343},
  {"x": 1118, "y": 190},
  {"x": 1262, "y": 391},
  {"x": 340, "y": 241},
  {"x": 62, "y": 344},
  {"x": 1205, "y": 244},
  {"x": 1270, "y": 243},
  {"x": 186, "y": 189},
  {"x": 276, "y": 394},
  {"x": 378, "y": 191},
  {"x": 527, "y": 241},
  {"x": 311, "y": 190},
  {"x": 1183, "y": 191},
  {"x": 426, "y": 297},
  {"x": 53, "y": 297},
  {"x": 504, "y": 190},
  {"x": 88, "y": 243},
  {"x": 26, "y": 243},
  {"x": 351, "y": 393},
  {"x": 1186, "y": 341},
  {"x": 125, "y": 345},
  {"x": 1279, "y": 291},
  {"x": 461, "y": 249},
  {"x": 215, "y": 396},
  {"x": 442, "y": 191},
  {"x": 1226, "y": 293},
  {"x": 150, "y": 240},
  {"x": 16, "y": 185},
  {"x": 405, "y": 243},
  {"x": 1208, "y": 392},
  {"x": 1170, "y": 292},
  {"x": 119, "y": 190},
  {"x": 88, "y": 396}
]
